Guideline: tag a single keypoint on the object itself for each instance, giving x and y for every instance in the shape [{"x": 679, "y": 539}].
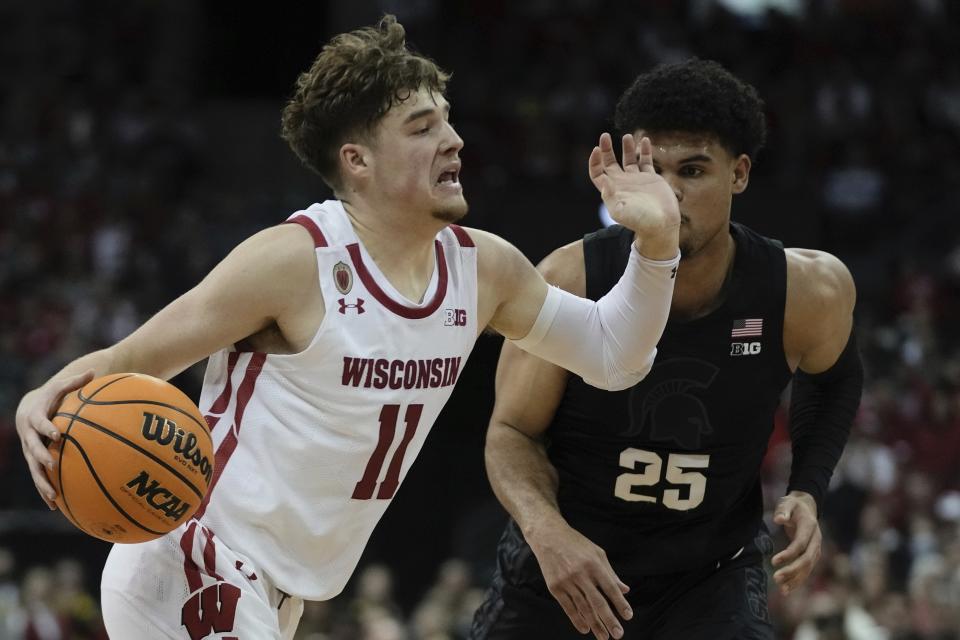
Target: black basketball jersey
[{"x": 665, "y": 476}]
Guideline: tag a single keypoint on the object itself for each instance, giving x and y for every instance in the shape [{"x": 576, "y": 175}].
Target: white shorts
[{"x": 189, "y": 585}]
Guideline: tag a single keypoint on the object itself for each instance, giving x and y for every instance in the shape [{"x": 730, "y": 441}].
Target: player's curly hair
[
  {"x": 355, "y": 80},
  {"x": 695, "y": 96}
]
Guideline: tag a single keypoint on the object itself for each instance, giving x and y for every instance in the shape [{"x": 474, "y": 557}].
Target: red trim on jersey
[
  {"x": 229, "y": 443},
  {"x": 190, "y": 567},
  {"x": 462, "y": 236},
  {"x": 223, "y": 400},
  {"x": 307, "y": 223},
  {"x": 413, "y": 313},
  {"x": 210, "y": 556}
]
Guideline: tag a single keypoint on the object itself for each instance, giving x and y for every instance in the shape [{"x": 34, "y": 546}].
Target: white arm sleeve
[{"x": 610, "y": 343}]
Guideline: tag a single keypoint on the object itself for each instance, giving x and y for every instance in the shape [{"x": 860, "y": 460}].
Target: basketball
[{"x": 134, "y": 459}]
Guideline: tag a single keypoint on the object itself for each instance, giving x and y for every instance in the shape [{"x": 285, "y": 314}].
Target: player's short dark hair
[
  {"x": 695, "y": 96},
  {"x": 355, "y": 80}
]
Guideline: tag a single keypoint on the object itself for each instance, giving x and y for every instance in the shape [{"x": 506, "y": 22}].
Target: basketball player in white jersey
[{"x": 335, "y": 340}]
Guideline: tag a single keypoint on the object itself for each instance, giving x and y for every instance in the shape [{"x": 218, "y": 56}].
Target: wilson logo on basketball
[
  {"x": 342, "y": 277},
  {"x": 166, "y": 432},
  {"x": 158, "y": 497}
]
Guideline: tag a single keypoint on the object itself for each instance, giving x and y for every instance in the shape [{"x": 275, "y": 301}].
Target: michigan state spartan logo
[
  {"x": 663, "y": 407},
  {"x": 342, "y": 277}
]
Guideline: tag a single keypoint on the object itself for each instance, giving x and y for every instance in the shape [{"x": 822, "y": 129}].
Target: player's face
[
  {"x": 417, "y": 157},
  {"x": 704, "y": 176}
]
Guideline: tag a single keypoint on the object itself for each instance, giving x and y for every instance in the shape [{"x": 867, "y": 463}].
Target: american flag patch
[{"x": 747, "y": 327}]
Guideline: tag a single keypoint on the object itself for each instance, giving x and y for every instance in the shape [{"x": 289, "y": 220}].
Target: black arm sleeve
[{"x": 822, "y": 409}]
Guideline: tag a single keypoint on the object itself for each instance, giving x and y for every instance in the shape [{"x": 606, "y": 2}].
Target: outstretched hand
[
  {"x": 636, "y": 196},
  {"x": 797, "y": 514},
  {"x": 580, "y": 578}
]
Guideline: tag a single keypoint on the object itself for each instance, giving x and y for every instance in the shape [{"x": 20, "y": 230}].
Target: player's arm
[
  {"x": 262, "y": 281},
  {"x": 819, "y": 338},
  {"x": 610, "y": 343},
  {"x": 575, "y": 570}
]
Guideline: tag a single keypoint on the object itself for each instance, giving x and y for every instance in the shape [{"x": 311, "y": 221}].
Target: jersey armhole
[{"x": 319, "y": 240}]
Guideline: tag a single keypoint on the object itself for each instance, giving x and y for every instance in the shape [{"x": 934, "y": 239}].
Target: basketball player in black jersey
[{"x": 638, "y": 513}]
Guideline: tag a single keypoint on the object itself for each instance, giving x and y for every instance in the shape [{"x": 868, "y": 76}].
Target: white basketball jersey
[{"x": 311, "y": 447}]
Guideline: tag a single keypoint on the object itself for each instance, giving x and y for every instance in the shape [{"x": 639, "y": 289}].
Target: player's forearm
[
  {"x": 610, "y": 343},
  {"x": 117, "y": 359},
  {"x": 102, "y": 362},
  {"x": 822, "y": 410},
  {"x": 663, "y": 245},
  {"x": 522, "y": 477}
]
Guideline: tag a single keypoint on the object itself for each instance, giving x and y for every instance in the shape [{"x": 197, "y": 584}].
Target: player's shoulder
[
  {"x": 284, "y": 245},
  {"x": 279, "y": 261},
  {"x": 818, "y": 281},
  {"x": 564, "y": 268}
]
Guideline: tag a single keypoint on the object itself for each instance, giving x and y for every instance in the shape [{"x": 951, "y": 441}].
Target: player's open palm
[
  {"x": 635, "y": 195},
  {"x": 580, "y": 578}
]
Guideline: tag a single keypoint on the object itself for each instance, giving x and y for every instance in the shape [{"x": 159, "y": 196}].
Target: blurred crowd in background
[{"x": 139, "y": 143}]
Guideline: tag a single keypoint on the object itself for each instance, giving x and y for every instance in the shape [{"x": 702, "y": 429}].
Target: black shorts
[{"x": 725, "y": 602}]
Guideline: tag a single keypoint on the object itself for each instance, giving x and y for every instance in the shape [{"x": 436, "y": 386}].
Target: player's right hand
[
  {"x": 580, "y": 578},
  {"x": 636, "y": 196},
  {"x": 33, "y": 424}
]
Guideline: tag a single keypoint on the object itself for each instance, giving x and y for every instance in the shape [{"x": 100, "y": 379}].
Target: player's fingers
[
  {"x": 801, "y": 539},
  {"x": 645, "y": 155},
  {"x": 66, "y": 385},
  {"x": 613, "y": 589},
  {"x": 793, "y": 575},
  {"x": 34, "y": 449},
  {"x": 40, "y": 425},
  {"x": 586, "y": 611},
  {"x": 607, "y": 156},
  {"x": 595, "y": 165},
  {"x": 570, "y": 608},
  {"x": 601, "y": 609},
  {"x": 622, "y": 585},
  {"x": 782, "y": 514},
  {"x": 43, "y": 485},
  {"x": 630, "y": 156},
  {"x": 602, "y": 183}
]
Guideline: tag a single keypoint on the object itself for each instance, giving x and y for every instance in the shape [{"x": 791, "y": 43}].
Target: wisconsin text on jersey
[{"x": 381, "y": 373}]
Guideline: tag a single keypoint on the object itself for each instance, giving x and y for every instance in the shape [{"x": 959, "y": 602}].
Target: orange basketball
[{"x": 134, "y": 459}]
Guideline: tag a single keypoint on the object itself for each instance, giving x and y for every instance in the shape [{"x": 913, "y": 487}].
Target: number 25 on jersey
[{"x": 677, "y": 474}]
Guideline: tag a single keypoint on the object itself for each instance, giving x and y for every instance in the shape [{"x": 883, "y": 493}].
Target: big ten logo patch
[
  {"x": 744, "y": 348},
  {"x": 454, "y": 317}
]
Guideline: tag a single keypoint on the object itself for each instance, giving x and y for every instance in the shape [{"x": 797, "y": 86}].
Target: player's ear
[
  {"x": 354, "y": 160},
  {"x": 741, "y": 173}
]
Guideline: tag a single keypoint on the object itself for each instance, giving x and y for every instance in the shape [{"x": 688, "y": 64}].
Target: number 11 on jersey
[{"x": 388, "y": 429}]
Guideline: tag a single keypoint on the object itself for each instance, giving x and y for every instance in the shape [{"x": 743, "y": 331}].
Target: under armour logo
[{"x": 344, "y": 306}]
